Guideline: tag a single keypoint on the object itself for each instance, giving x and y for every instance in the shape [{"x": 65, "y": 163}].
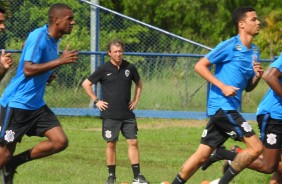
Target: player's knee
[
  {"x": 133, "y": 142},
  {"x": 61, "y": 144},
  {"x": 256, "y": 150},
  {"x": 269, "y": 169},
  {"x": 5, "y": 157}
]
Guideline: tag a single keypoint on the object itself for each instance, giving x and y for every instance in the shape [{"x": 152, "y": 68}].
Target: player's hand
[
  {"x": 69, "y": 56},
  {"x": 258, "y": 69},
  {"x": 229, "y": 90},
  {"x": 102, "y": 105},
  {"x": 132, "y": 105},
  {"x": 6, "y": 59}
]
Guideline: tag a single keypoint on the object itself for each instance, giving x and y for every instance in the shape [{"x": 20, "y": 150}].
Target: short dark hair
[
  {"x": 56, "y": 7},
  {"x": 116, "y": 42},
  {"x": 2, "y": 10},
  {"x": 240, "y": 13}
]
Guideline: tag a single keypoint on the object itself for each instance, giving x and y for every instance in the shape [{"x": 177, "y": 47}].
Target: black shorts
[
  {"x": 270, "y": 131},
  {"x": 112, "y": 127},
  {"x": 15, "y": 123},
  {"x": 224, "y": 124}
]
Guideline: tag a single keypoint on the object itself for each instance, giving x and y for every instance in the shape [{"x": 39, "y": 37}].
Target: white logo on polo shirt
[
  {"x": 127, "y": 72},
  {"x": 108, "y": 74}
]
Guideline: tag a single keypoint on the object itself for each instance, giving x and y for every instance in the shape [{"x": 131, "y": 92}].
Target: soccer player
[
  {"x": 269, "y": 118},
  {"x": 116, "y": 107},
  {"x": 236, "y": 69},
  {"x": 5, "y": 59},
  {"x": 23, "y": 110}
]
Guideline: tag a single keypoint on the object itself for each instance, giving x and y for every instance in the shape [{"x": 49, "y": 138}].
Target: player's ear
[{"x": 241, "y": 24}]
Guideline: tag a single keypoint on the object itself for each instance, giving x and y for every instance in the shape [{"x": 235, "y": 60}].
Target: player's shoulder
[{"x": 227, "y": 44}]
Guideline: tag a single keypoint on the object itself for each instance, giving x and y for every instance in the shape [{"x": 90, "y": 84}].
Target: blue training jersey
[
  {"x": 233, "y": 66},
  {"x": 27, "y": 92},
  {"x": 271, "y": 102}
]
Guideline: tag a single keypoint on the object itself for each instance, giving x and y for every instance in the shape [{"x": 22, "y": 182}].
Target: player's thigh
[
  {"x": 270, "y": 131},
  {"x": 231, "y": 123},
  {"x": 129, "y": 128},
  {"x": 111, "y": 129}
]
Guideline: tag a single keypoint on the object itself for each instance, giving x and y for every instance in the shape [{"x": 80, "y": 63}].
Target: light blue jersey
[
  {"x": 271, "y": 102},
  {"x": 27, "y": 92},
  {"x": 233, "y": 66}
]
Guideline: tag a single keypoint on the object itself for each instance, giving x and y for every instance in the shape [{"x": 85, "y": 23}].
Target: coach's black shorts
[
  {"x": 15, "y": 123},
  {"x": 270, "y": 131},
  {"x": 224, "y": 124},
  {"x": 112, "y": 127}
]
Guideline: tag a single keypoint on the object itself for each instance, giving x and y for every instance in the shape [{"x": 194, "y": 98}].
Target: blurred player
[
  {"x": 236, "y": 69},
  {"x": 23, "y": 110},
  {"x": 6, "y": 59}
]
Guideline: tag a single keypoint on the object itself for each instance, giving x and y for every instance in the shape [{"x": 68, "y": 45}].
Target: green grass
[{"x": 164, "y": 145}]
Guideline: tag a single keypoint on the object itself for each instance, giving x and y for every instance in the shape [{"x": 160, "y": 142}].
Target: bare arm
[
  {"x": 137, "y": 94},
  {"x": 271, "y": 76},
  {"x": 253, "y": 82},
  {"x": 31, "y": 69},
  {"x": 202, "y": 67},
  {"x": 87, "y": 86}
]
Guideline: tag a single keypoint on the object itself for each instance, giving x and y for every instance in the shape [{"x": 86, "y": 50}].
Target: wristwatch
[{"x": 96, "y": 100}]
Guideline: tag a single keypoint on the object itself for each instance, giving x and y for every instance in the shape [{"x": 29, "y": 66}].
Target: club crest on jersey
[
  {"x": 127, "y": 72},
  {"x": 238, "y": 47},
  {"x": 255, "y": 58},
  {"x": 255, "y": 50}
]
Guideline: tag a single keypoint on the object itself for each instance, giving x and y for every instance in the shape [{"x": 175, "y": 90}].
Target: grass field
[{"x": 164, "y": 145}]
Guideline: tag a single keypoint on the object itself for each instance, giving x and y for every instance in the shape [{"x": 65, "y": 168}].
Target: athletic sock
[
  {"x": 20, "y": 159},
  {"x": 178, "y": 180},
  {"x": 135, "y": 169},
  {"x": 226, "y": 154},
  {"x": 112, "y": 170},
  {"x": 229, "y": 174}
]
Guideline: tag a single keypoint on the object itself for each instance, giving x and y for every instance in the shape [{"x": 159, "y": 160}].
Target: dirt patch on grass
[{"x": 166, "y": 123}]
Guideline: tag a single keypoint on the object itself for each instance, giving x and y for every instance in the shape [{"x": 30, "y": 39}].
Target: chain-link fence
[{"x": 169, "y": 81}]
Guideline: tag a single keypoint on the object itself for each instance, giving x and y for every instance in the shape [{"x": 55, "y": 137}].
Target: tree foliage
[{"x": 208, "y": 22}]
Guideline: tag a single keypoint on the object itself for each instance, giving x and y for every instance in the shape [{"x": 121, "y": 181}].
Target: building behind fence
[{"x": 171, "y": 88}]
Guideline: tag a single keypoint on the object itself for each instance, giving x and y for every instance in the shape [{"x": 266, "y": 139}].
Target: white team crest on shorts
[
  {"x": 127, "y": 72},
  {"x": 9, "y": 137},
  {"x": 246, "y": 127},
  {"x": 205, "y": 132},
  {"x": 108, "y": 133},
  {"x": 271, "y": 139}
]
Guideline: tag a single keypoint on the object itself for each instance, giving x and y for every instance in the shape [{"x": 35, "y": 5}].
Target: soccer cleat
[
  {"x": 111, "y": 180},
  {"x": 213, "y": 158},
  {"x": 236, "y": 149},
  {"x": 7, "y": 174},
  {"x": 140, "y": 180},
  {"x": 215, "y": 181}
]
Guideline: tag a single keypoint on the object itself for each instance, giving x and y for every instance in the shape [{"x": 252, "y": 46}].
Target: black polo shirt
[{"x": 116, "y": 88}]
